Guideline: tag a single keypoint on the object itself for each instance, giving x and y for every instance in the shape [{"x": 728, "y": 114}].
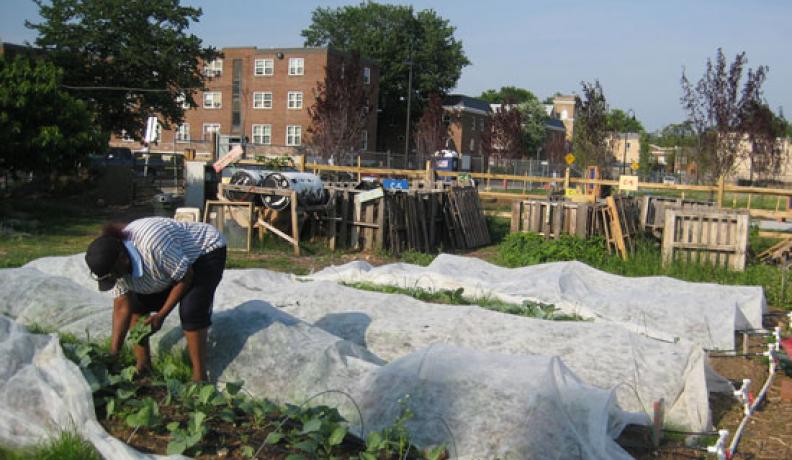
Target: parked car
[
  {"x": 116, "y": 156},
  {"x": 670, "y": 180}
]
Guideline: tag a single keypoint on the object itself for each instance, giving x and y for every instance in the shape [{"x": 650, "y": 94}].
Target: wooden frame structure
[
  {"x": 716, "y": 236},
  {"x": 221, "y": 217}
]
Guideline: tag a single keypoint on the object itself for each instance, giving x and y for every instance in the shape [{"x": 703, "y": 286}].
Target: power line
[{"x": 125, "y": 88}]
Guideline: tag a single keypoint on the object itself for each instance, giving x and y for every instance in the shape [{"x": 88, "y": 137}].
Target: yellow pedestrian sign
[
  {"x": 634, "y": 166},
  {"x": 569, "y": 159}
]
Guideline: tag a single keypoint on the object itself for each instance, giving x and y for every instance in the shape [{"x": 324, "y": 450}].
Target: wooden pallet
[
  {"x": 551, "y": 219},
  {"x": 620, "y": 224},
  {"x": 715, "y": 236},
  {"x": 779, "y": 254},
  {"x": 467, "y": 217},
  {"x": 652, "y": 210}
]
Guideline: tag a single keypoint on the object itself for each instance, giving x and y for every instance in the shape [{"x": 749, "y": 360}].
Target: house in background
[
  {"x": 626, "y": 149},
  {"x": 563, "y": 108},
  {"x": 261, "y": 96},
  {"x": 467, "y": 119}
]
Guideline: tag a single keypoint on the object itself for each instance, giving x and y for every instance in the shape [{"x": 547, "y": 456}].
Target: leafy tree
[
  {"x": 394, "y": 36},
  {"x": 431, "y": 133},
  {"x": 504, "y": 139},
  {"x": 126, "y": 44},
  {"x": 533, "y": 124},
  {"x": 645, "y": 160},
  {"x": 716, "y": 107},
  {"x": 507, "y": 93},
  {"x": 620, "y": 122},
  {"x": 765, "y": 132},
  {"x": 590, "y": 138},
  {"x": 341, "y": 110},
  {"x": 43, "y": 129}
]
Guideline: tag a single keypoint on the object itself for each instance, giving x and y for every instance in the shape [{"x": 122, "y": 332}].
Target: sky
[{"x": 637, "y": 49}]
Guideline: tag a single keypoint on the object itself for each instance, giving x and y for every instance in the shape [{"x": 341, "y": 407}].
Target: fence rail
[{"x": 782, "y": 211}]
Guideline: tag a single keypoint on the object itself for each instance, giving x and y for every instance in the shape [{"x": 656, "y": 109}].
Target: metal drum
[
  {"x": 246, "y": 177},
  {"x": 308, "y": 187}
]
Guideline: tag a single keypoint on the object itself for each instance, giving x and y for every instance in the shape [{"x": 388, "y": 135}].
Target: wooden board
[{"x": 714, "y": 236}]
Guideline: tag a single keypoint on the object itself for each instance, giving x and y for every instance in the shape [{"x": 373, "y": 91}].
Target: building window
[
  {"x": 183, "y": 133},
  {"x": 213, "y": 100},
  {"x": 564, "y": 114},
  {"x": 262, "y": 100},
  {"x": 472, "y": 145},
  {"x": 295, "y": 99},
  {"x": 262, "y": 134},
  {"x": 293, "y": 135},
  {"x": 364, "y": 140},
  {"x": 296, "y": 66},
  {"x": 214, "y": 68},
  {"x": 181, "y": 99},
  {"x": 264, "y": 67},
  {"x": 208, "y": 129},
  {"x": 367, "y": 75},
  {"x": 474, "y": 123}
]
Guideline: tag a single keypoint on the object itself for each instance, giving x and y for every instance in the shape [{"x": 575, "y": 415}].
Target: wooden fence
[
  {"x": 781, "y": 211},
  {"x": 715, "y": 236}
]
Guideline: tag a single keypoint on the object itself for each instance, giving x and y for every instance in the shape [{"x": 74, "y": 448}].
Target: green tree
[
  {"x": 645, "y": 160},
  {"x": 590, "y": 138},
  {"x": 43, "y": 129},
  {"x": 620, "y": 122},
  {"x": 512, "y": 94},
  {"x": 394, "y": 36},
  {"x": 533, "y": 124},
  {"x": 142, "y": 46}
]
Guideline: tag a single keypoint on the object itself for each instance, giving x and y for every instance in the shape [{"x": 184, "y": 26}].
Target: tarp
[
  {"x": 658, "y": 307},
  {"x": 471, "y": 400},
  {"x": 642, "y": 370}
]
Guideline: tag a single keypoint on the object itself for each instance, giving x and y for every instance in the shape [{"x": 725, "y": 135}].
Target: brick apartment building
[
  {"x": 263, "y": 96},
  {"x": 467, "y": 119}
]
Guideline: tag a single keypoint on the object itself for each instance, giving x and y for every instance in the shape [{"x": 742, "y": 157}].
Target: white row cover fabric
[
  {"x": 288, "y": 360},
  {"x": 42, "y": 393},
  {"x": 641, "y": 370},
  {"x": 658, "y": 307}
]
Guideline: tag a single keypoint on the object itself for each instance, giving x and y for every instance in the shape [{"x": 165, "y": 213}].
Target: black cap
[{"x": 101, "y": 256}]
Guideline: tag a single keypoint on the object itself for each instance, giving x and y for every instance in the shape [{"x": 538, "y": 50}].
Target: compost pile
[{"x": 484, "y": 383}]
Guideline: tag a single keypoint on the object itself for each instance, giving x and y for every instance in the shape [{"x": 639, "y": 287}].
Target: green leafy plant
[{"x": 140, "y": 331}]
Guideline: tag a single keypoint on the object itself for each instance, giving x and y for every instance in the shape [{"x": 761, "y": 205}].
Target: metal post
[
  {"x": 409, "y": 99},
  {"x": 624, "y": 157}
]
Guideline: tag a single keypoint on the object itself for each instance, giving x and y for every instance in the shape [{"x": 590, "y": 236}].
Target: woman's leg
[
  {"x": 142, "y": 351},
  {"x": 196, "y": 347}
]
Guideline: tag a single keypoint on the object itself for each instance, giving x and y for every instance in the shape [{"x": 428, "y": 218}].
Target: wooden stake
[{"x": 295, "y": 224}]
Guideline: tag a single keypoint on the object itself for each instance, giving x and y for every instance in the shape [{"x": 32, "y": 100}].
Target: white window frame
[
  {"x": 204, "y": 132},
  {"x": 367, "y": 75},
  {"x": 265, "y": 103},
  {"x": 183, "y": 133},
  {"x": 214, "y": 68},
  {"x": 364, "y": 138},
  {"x": 267, "y": 67},
  {"x": 266, "y": 134},
  {"x": 296, "y": 66},
  {"x": 216, "y": 102},
  {"x": 293, "y": 135},
  {"x": 181, "y": 99},
  {"x": 297, "y": 102}
]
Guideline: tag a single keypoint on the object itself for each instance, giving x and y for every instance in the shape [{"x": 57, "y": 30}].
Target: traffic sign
[
  {"x": 634, "y": 166},
  {"x": 569, "y": 158}
]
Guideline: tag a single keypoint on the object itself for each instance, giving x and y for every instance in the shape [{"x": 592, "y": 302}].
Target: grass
[
  {"x": 521, "y": 249},
  {"x": 457, "y": 297},
  {"x": 67, "y": 446}
]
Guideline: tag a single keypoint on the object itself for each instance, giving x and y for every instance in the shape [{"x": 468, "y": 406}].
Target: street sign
[
  {"x": 569, "y": 159},
  {"x": 634, "y": 166}
]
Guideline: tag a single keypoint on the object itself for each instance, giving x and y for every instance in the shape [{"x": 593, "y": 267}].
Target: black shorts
[{"x": 195, "y": 307}]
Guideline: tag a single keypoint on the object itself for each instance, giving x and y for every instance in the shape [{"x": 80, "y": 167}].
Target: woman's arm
[
  {"x": 122, "y": 314},
  {"x": 176, "y": 293}
]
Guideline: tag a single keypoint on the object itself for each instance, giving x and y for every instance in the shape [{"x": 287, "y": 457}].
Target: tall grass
[
  {"x": 521, "y": 249},
  {"x": 67, "y": 446}
]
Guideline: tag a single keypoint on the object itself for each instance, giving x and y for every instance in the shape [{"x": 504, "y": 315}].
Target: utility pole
[{"x": 409, "y": 99}]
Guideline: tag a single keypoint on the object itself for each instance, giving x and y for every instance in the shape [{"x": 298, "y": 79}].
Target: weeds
[
  {"x": 457, "y": 297},
  {"x": 67, "y": 446}
]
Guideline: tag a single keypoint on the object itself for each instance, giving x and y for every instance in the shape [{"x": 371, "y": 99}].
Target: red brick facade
[{"x": 269, "y": 88}]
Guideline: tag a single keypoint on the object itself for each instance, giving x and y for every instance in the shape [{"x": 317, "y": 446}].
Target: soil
[{"x": 768, "y": 434}]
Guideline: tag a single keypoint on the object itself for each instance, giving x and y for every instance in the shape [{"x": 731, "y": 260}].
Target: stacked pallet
[
  {"x": 652, "y": 210},
  {"x": 552, "y": 219},
  {"x": 425, "y": 220},
  {"x": 715, "y": 236}
]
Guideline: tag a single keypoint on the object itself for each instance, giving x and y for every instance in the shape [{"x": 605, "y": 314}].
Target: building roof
[
  {"x": 554, "y": 124},
  {"x": 466, "y": 104}
]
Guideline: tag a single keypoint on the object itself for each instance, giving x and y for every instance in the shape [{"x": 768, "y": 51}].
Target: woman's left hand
[{"x": 154, "y": 320}]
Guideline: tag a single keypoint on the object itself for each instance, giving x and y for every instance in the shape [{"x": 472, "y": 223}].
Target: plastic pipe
[
  {"x": 743, "y": 396},
  {"x": 719, "y": 448},
  {"x": 771, "y": 353}
]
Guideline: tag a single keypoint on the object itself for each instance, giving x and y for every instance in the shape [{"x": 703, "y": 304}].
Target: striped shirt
[{"x": 162, "y": 250}]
